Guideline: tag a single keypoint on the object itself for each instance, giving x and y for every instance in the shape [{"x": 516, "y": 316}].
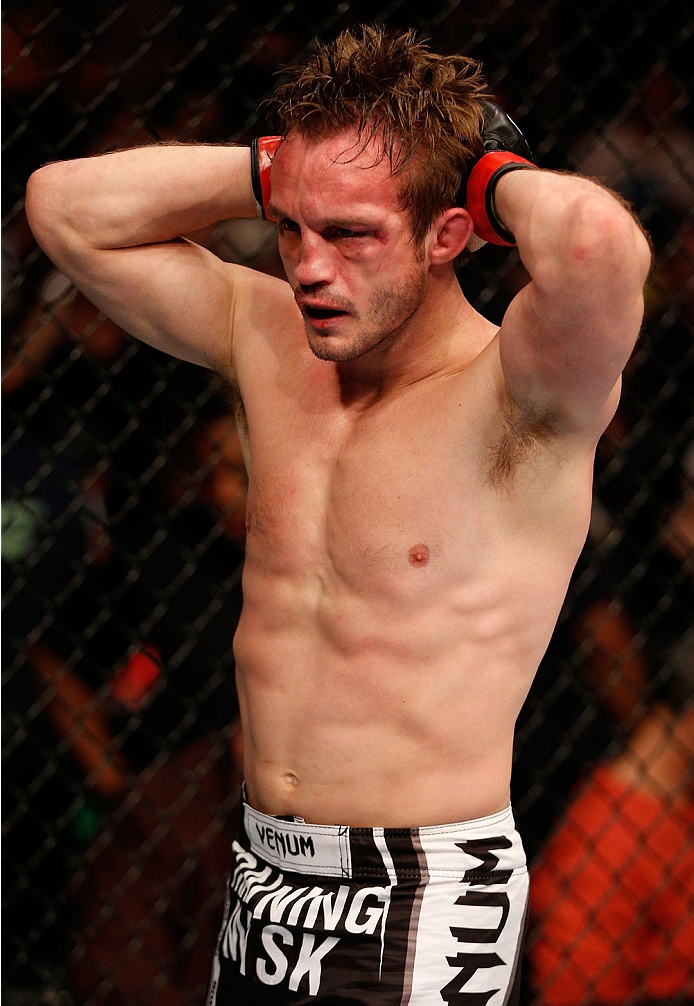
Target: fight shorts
[{"x": 334, "y": 915}]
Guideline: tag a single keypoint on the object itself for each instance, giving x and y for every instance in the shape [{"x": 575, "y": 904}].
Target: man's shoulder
[
  {"x": 266, "y": 327},
  {"x": 516, "y": 434},
  {"x": 251, "y": 285},
  {"x": 263, "y": 305}
]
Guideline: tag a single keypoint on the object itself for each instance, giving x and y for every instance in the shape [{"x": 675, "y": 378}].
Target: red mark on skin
[{"x": 419, "y": 555}]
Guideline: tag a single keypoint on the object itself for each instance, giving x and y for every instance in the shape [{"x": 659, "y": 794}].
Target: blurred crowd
[{"x": 123, "y": 518}]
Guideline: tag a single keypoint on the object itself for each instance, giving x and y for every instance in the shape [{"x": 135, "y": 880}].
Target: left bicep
[
  {"x": 570, "y": 365},
  {"x": 568, "y": 334}
]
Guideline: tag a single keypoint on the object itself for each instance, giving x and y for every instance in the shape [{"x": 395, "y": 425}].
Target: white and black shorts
[{"x": 334, "y": 915}]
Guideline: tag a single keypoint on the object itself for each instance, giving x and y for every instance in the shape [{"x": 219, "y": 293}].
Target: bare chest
[{"x": 393, "y": 498}]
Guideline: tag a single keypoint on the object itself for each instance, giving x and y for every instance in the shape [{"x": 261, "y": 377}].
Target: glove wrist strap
[
  {"x": 480, "y": 194},
  {"x": 263, "y": 150}
]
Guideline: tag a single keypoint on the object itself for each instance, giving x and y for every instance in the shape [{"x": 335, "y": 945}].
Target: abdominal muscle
[{"x": 370, "y": 711}]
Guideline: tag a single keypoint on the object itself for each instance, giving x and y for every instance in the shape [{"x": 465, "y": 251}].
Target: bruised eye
[{"x": 343, "y": 232}]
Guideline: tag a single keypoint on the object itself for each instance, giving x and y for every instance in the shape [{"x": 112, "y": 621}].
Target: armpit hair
[
  {"x": 232, "y": 393},
  {"x": 523, "y": 429}
]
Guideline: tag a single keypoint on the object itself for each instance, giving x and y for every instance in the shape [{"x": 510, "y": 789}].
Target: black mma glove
[{"x": 505, "y": 150}]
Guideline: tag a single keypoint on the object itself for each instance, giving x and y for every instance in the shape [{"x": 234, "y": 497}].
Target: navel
[{"x": 419, "y": 555}]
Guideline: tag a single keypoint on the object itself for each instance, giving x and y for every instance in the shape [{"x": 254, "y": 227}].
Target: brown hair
[{"x": 422, "y": 106}]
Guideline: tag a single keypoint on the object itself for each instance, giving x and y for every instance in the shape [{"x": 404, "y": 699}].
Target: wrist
[
  {"x": 481, "y": 201},
  {"x": 263, "y": 150}
]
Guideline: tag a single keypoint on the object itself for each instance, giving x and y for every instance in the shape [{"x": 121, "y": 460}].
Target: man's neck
[{"x": 442, "y": 337}]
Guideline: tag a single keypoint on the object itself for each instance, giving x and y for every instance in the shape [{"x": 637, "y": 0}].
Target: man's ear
[{"x": 449, "y": 235}]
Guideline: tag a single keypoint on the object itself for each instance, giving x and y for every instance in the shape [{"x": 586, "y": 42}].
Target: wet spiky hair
[{"x": 423, "y": 108}]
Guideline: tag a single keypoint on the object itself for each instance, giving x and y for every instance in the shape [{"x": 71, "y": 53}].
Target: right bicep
[{"x": 175, "y": 296}]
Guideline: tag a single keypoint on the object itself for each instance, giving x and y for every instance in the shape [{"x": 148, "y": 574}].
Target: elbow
[
  {"x": 39, "y": 197},
  {"x": 606, "y": 244},
  {"x": 47, "y": 204}
]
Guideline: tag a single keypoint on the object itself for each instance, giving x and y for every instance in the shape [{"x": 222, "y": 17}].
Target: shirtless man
[{"x": 419, "y": 492}]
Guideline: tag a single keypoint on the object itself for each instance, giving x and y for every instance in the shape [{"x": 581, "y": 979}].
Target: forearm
[
  {"x": 571, "y": 232},
  {"x": 140, "y": 196}
]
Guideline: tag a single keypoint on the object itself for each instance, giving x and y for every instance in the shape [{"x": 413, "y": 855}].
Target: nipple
[{"x": 419, "y": 555}]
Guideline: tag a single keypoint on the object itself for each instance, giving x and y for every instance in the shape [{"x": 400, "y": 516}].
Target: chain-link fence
[{"x": 123, "y": 502}]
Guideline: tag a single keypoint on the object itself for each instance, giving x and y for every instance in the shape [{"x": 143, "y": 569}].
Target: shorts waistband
[{"x": 486, "y": 849}]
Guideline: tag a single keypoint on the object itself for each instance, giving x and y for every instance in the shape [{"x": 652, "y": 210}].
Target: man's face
[{"x": 346, "y": 245}]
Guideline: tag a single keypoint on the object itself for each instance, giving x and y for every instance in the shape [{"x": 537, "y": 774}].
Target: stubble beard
[{"x": 390, "y": 308}]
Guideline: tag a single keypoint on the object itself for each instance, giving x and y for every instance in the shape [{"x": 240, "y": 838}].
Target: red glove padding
[
  {"x": 480, "y": 194},
  {"x": 263, "y": 150}
]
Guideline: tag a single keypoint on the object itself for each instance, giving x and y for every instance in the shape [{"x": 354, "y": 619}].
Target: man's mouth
[
  {"x": 323, "y": 316},
  {"x": 319, "y": 313}
]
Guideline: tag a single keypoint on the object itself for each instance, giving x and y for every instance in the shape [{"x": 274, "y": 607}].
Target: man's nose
[{"x": 314, "y": 263}]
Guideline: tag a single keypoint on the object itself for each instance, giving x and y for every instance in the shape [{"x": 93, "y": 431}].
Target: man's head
[
  {"x": 346, "y": 244},
  {"x": 422, "y": 108},
  {"x": 378, "y": 135}
]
